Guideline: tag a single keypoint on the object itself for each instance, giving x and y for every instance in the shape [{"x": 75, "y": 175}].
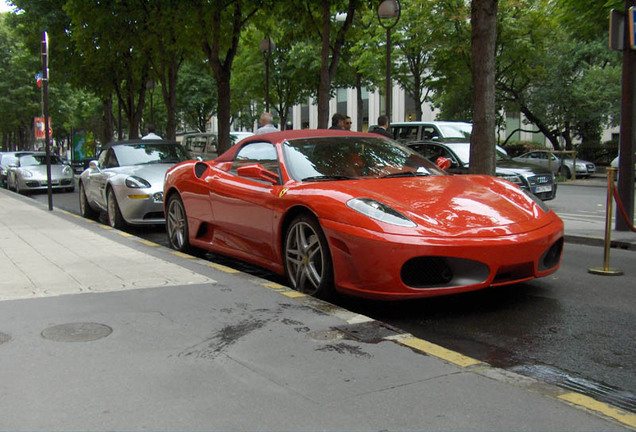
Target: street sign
[{"x": 617, "y": 30}]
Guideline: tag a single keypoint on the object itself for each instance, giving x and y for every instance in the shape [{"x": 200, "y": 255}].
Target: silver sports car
[
  {"x": 28, "y": 173},
  {"x": 126, "y": 181}
]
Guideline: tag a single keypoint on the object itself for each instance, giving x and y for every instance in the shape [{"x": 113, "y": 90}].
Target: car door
[
  {"x": 244, "y": 211},
  {"x": 97, "y": 178}
]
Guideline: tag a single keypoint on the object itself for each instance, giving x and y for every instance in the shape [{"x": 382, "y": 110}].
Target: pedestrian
[
  {"x": 337, "y": 121},
  {"x": 266, "y": 124},
  {"x": 150, "y": 128},
  {"x": 382, "y": 128},
  {"x": 347, "y": 123}
]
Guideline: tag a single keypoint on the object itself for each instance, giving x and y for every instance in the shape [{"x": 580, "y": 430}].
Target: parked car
[
  {"x": 533, "y": 178},
  {"x": 7, "y": 159},
  {"x": 204, "y": 144},
  {"x": 445, "y": 131},
  {"x": 562, "y": 166},
  {"x": 360, "y": 214},
  {"x": 29, "y": 174},
  {"x": 614, "y": 164},
  {"x": 126, "y": 181}
]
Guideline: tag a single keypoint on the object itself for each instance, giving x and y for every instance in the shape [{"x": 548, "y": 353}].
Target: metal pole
[
  {"x": 267, "y": 54},
  {"x": 627, "y": 133},
  {"x": 45, "y": 92},
  {"x": 606, "y": 269},
  {"x": 388, "y": 74}
]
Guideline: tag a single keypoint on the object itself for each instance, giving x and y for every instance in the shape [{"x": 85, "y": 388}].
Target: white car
[
  {"x": 614, "y": 164},
  {"x": 28, "y": 173},
  {"x": 126, "y": 181}
]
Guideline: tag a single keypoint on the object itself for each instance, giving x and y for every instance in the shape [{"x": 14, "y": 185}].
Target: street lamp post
[
  {"x": 266, "y": 47},
  {"x": 388, "y": 16}
]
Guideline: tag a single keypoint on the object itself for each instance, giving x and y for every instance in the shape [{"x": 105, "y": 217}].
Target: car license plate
[{"x": 545, "y": 188}]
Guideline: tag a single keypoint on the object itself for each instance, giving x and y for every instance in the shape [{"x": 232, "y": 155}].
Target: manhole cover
[
  {"x": 76, "y": 332},
  {"x": 4, "y": 338}
]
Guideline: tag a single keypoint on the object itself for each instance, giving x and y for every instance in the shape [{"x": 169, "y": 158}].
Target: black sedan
[{"x": 533, "y": 178}]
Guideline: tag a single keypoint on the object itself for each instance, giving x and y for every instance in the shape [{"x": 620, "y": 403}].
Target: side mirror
[
  {"x": 94, "y": 165},
  {"x": 257, "y": 171},
  {"x": 443, "y": 163}
]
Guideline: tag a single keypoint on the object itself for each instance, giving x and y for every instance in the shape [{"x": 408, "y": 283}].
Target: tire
[
  {"x": 115, "y": 219},
  {"x": 308, "y": 264},
  {"x": 177, "y": 224},
  {"x": 565, "y": 172},
  {"x": 85, "y": 208}
]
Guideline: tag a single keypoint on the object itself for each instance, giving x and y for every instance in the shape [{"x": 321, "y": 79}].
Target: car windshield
[
  {"x": 35, "y": 160},
  {"x": 456, "y": 130},
  {"x": 341, "y": 158},
  {"x": 463, "y": 152},
  {"x": 142, "y": 154}
]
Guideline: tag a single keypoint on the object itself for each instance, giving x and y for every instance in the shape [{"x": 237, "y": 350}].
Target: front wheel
[
  {"x": 177, "y": 224},
  {"x": 565, "y": 172},
  {"x": 85, "y": 208},
  {"x": 308, "y": 263},
  {"x": 115, "y": 219}
]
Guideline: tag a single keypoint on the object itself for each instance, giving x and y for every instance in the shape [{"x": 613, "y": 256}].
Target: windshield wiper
[
  {"x": 327, "y": 177},
  {"x": 406, "y": 174}
]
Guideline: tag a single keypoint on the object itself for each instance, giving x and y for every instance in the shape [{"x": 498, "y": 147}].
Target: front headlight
[
  {"x": 67, "y": 170},
  {"x": 26, "y": 173},
  {"x": 512, "y": 178},
  {"x": 380, "y": 212},
  {"x": 135, "y": 182}
]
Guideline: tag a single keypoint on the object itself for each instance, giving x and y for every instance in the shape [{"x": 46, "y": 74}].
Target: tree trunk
[
  {"x": 324, "y": 84},
  {"x": 483, "y": 39},
  {"x": 108, "y": 119}
]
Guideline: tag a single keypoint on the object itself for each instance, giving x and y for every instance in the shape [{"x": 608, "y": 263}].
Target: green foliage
[{"x": 197, "y": 95}]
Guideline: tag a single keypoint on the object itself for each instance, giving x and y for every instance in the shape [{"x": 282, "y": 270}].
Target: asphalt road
[{"x": 573, "y": 328}]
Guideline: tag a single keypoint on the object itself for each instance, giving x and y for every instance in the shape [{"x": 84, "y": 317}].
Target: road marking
[
  {"x": 601, "y": 407},
  {"x": 181, "y": 255},
  {"x": 148, "y": 243},
  {"x": 438, "y": 351},
  {"x": 293, "y": 294},
  {"x": 223, "y": 268}
]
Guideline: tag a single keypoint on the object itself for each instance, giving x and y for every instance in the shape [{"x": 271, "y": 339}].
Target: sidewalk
[{"x": 162, "y": 341}]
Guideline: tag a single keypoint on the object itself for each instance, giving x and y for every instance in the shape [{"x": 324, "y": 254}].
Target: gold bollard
[{"x": 606, "y": 269}]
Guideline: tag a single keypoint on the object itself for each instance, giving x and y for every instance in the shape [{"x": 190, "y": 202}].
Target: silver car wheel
[
  {"x": 177, "y": 224},
  {"x": 115, "y": 218},
  {"x": 307, "y": 259}
]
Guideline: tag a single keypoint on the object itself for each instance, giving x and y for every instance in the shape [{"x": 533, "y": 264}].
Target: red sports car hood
[{"x": 453, "y": 205}]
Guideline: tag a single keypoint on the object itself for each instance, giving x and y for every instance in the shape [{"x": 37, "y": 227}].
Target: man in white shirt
[
  {"x": 151, "y": 133},
  {"x": 266, "y": 121}
]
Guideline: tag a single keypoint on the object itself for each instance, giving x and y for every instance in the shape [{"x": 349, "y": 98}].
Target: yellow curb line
[
  {"x": 293, "y": 294},
  {"x": 274, "y": 286},
  {"x": 223, "y": 268},
  {"x": 125, "y": 234},
  {"x": 438, "y": 351},
  {"x": 181, "y": 255},
  {"x": 601, "y": 407},
  {"x": 148, "y": 243}
]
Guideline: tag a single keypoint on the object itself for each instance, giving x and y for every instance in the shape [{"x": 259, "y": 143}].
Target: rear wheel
[
  {"x": 85, "y": 208},
  {"x": 308, "y": 263},
  {"x": 115, "y": 219},
  {"x": 177, "y": 224}
]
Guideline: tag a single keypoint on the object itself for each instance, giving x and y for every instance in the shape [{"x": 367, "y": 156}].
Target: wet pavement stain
[
  {"x": 4, "y": 338},
  {"x": 345, "y": 348},
  {"x": 222, "y": 340}
]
